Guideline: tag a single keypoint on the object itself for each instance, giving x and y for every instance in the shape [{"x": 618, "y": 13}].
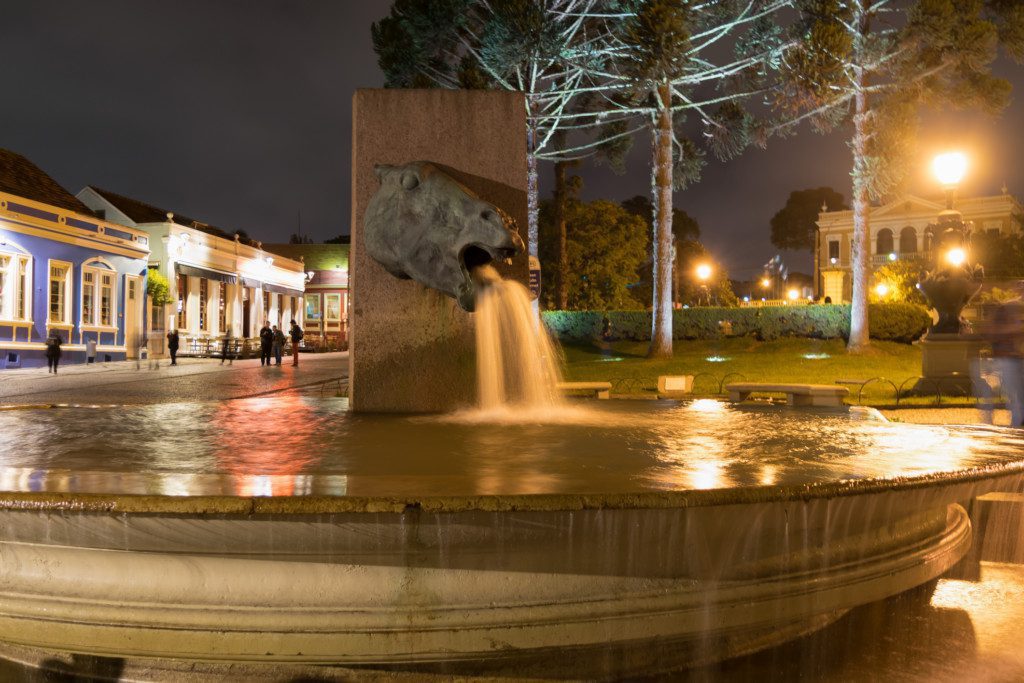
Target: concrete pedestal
[
  {"x": 412, "y": 348},
  {"x": 946, "y": 361}
]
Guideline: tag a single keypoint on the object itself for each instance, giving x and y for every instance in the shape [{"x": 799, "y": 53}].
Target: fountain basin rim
[{"x": 55, "y": 501}]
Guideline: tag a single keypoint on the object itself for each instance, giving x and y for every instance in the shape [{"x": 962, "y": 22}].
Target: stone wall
[{"x": 412, "y": 348}]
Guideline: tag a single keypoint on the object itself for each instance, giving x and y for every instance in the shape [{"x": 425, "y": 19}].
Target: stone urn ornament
[{"x": 949, "y": 289}]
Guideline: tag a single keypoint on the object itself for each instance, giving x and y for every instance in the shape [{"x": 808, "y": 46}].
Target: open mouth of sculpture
[{"x": 473, "y": 257}]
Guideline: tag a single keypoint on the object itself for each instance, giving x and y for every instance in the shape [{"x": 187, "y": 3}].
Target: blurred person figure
[
  {"x": 53, "y": 342},
  {"x": 1005, "y": 335}
]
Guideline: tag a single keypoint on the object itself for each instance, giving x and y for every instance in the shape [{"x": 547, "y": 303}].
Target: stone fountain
[{"x": 628, "y": 540}]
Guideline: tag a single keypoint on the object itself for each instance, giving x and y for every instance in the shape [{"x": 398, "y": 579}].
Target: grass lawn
[{"x": 790, "y": 360}]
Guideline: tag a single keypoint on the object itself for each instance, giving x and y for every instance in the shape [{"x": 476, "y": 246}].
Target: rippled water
[{"x": 289, "y": 444}]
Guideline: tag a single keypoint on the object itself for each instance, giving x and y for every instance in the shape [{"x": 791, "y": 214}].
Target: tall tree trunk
[
  {"x": 532, "y": 206},
  {"x": 860, "y": 247},
  {"x": 561, "y": 197},
  {"x": 661, "y": 313}
]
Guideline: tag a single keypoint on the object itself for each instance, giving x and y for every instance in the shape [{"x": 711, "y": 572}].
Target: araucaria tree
[
  {"x": 672, "y": 60},
  {"x": 874, "y": 62},
  {"x": 542, "y": 48}
]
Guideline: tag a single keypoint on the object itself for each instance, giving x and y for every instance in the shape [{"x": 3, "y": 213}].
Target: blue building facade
[{"x": 66, "y": 271}]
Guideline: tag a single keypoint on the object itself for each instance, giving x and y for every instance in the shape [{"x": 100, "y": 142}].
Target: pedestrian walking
[
  {"x": 266, "y": 343},
  {"x": 296, "y": 335},
  {"x": 225, "y": 353},
  {"x": 90, "y": 352},
  {"x": 172, "y": 345},
  {"x": 1006, "y": 335},
  {"x": 53, "y": 342},
  {"x": 279, "y": 342}
]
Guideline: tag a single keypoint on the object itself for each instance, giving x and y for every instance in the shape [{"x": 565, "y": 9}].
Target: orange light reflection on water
[{"x": 265, "y": 442}]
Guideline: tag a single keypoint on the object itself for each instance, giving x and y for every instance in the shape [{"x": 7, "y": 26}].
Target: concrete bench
[
  {"x": 598, "y": 389},
  {"x": 796, "y": 394}
]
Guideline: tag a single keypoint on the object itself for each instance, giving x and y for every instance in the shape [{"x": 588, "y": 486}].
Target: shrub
[{"x": 901, "y": 322}]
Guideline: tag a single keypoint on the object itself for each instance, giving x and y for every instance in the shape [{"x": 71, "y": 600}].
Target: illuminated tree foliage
[
  {"x": 605, "y": 248},
  {"x": 542, "y": 48},
  {"x": 874, "y": 63},
  {"x": 672, "y": 60}
]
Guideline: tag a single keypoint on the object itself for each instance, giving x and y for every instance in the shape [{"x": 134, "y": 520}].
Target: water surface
[{"x": 295, "y": 445}]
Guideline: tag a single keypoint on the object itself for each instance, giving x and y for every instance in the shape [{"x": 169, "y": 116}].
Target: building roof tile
[{"x": 19, "y": 176}]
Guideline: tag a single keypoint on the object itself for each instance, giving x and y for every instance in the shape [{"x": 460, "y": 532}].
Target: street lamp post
[{"x": 948, "y": 350}]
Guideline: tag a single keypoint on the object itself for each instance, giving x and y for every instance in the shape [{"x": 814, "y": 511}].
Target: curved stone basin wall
[{"x": 588, "y": 586}]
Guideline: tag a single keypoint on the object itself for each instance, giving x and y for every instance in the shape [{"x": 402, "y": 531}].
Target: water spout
[{"x": 515, "y": 359}]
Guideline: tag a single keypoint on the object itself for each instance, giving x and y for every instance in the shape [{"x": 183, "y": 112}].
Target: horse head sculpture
[{"x": 424, "y": 225}]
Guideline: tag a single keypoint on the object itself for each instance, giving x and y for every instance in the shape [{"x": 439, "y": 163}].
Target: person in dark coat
[
  {"x": 279, "y": 342},
  {"x": 225, "y": 354},
  {"x": 172, "y": 345},
  {"x": 266, "y": 343},
  {"x": 296, "y": 335},
  {"x": 53, "y": 343}
]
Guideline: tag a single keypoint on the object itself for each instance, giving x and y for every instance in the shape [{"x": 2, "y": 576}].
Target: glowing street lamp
[
  {"x": 765, "y": 282},
  {"x": 881, "y": 289},
  {"x": 793, "y": 295},
  {"x": 703, "y": 272},
  {"x": 950, "y": 168},
  {"x": 956, "y": 256}
]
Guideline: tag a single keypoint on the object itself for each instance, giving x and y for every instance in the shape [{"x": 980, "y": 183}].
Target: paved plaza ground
[{"x": 200, "y": 379}]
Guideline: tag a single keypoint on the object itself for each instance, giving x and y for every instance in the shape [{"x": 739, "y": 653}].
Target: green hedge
[{"x": 900, "y": 322}]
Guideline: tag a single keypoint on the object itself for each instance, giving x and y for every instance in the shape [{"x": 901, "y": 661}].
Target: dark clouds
[{"x": 238, "y": 112}]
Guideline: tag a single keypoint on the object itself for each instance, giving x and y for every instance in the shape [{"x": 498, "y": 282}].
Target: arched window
[
  {"x": 929, "y": 238},
  {"x": 883, "y": 243},
  {"x": 908, "y": 240}
]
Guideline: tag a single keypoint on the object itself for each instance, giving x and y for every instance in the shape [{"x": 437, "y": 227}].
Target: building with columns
[
  {"x": 219, "y": 282},
  {"x": 903, "y": 229},
  {"x": 325, "y": 308}
]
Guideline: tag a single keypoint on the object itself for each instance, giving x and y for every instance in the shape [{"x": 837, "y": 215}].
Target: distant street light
[
  {"x": 703, "y": 272},
  {"x": 881, "y": 289},
  {"x": 793, "y": 295},
  {"x": 956, "y": 256},
  {"x": 765, "y": 282}
]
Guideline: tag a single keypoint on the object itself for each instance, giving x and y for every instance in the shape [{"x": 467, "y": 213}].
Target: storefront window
[
  {"x": 88, "y": 294},
  {"x": 312, "y": 307},
  {"x": 58, "y": 291},
  {"x": 107, "y": 299},
  {"x": 204, "y": 302},
  {"x": 332, "y": 307},
  {"x": 182, "y": 286},
  {"x": 222, "y": 307}
]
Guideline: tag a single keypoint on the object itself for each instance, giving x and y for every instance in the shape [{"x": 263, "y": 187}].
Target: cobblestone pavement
[{"x": 192, "y": 379}]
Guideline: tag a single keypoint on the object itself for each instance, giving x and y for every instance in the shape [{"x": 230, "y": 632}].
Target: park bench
[
  {"x": 598, "y": 389},
  {"x": 796, "y": 394}
]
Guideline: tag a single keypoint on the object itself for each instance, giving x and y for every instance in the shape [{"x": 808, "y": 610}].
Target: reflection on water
[{"x": 295, "y": 445}]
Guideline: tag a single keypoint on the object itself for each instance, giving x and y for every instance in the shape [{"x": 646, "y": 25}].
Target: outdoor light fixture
[
  {"x": 793, "y": 295},
  {"x": 881, "y": 289},
  {"x": 833, "y": 260},
  {"x": 765, "y": 282},
  {"x": 950, "y": 167},
  {"x": 956, "y": 256},
  {"x": 892, "y": 256},
  {"x": 703, "y": 271},
  {"x": 746, "y": 298}
]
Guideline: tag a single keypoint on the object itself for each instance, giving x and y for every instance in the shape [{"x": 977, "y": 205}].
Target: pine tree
[
  {"x": 874, "y": 62},
  {"x": 542, "y": 48},
  {"x": 668, "y": 63}
]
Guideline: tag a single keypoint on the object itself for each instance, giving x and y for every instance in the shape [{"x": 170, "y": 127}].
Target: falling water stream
[{"x": 516, "y": 363}]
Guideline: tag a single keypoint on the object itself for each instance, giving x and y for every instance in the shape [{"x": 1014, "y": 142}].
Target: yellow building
[{"x": 902, "y": 229}]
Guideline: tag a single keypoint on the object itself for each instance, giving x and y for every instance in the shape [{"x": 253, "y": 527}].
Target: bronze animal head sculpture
[{"x": 424, "y": 225}]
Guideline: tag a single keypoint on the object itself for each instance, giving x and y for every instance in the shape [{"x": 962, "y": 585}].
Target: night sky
[{"x": 238, "y": 113}]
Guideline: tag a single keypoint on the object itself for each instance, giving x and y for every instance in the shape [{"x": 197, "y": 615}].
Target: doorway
[{"x": 133, "y": 300}]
